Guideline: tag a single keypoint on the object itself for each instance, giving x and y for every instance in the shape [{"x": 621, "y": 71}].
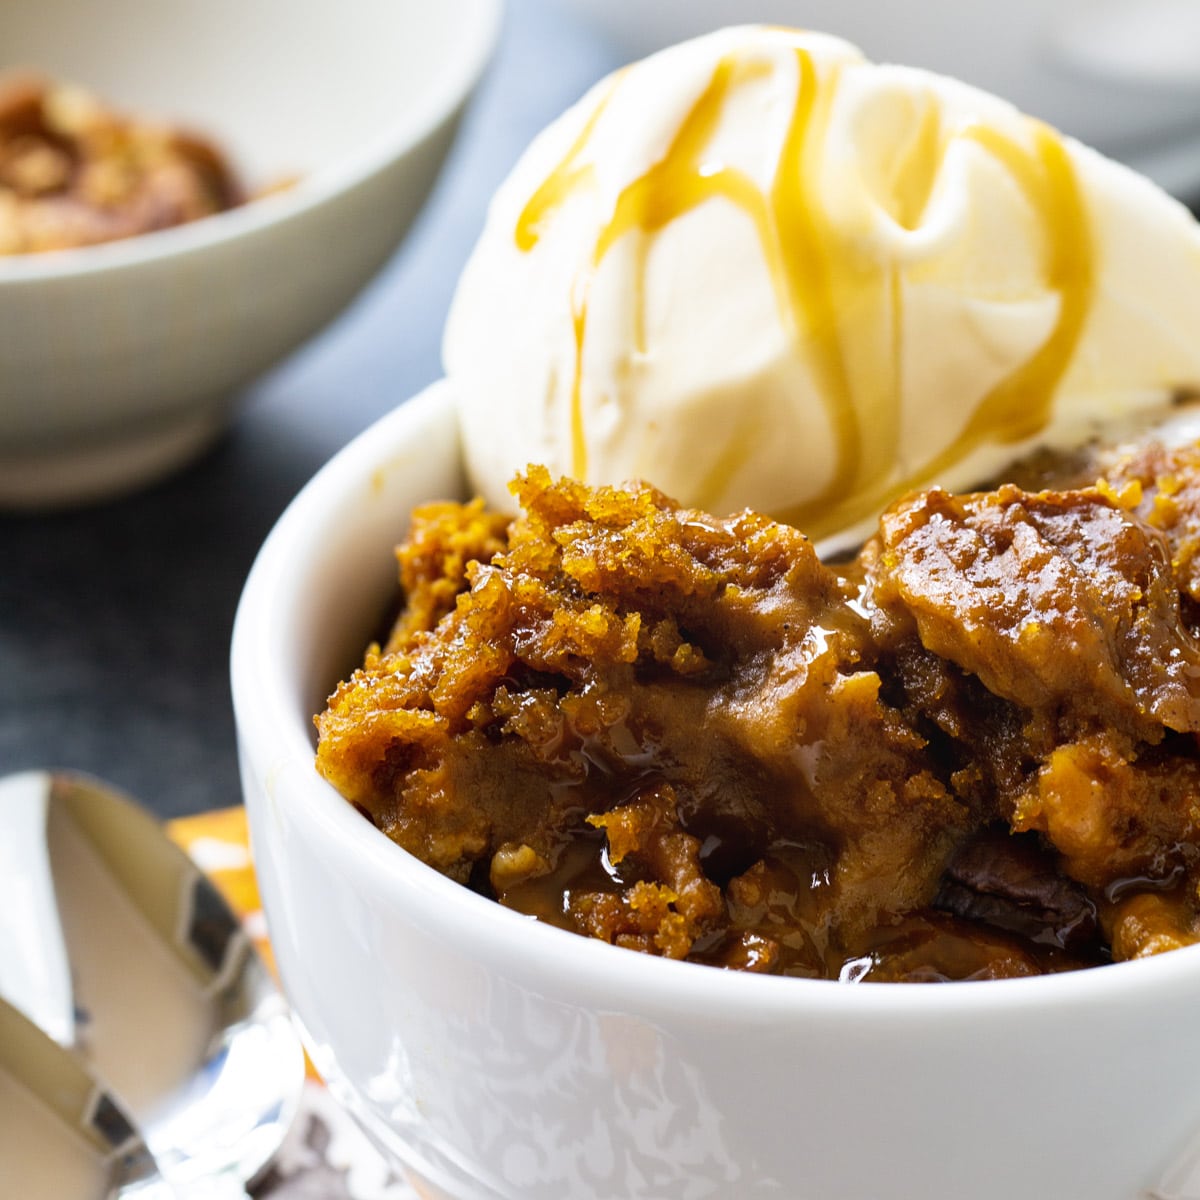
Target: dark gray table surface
[{"x": 115, "y": 620}]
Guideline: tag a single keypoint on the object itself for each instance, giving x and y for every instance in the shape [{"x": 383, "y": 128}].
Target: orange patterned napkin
[{"x": 220, "y": 844}]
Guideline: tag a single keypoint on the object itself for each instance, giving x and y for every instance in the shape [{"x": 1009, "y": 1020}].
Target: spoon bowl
[
  {"x": 61, "y": 1132},
  {"x": 127, "y": 955}
]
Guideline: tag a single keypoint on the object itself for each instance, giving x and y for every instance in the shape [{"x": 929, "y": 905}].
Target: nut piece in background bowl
[
  {"x": 73, "y": 173},
  {"x": 119, "y": 362}
]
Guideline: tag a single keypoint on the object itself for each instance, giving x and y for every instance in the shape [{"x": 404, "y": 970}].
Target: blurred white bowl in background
[
  {"x": 121, "y": 361},
  {"x": 1121, "y": 75}
]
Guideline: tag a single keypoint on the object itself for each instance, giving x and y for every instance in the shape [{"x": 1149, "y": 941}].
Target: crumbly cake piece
[{"x": 969, "y": 753}]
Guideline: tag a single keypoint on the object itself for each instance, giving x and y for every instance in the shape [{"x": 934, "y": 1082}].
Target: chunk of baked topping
[{"x": 688, "y": 736}]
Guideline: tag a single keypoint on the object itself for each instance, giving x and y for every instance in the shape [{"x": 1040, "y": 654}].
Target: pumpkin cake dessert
[{"x": 968, "y": 753}]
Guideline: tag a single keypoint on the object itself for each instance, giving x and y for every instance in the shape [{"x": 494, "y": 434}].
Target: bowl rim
[
  {"x": 474, "y": 45},
  {"x": 278, "y": 749}
]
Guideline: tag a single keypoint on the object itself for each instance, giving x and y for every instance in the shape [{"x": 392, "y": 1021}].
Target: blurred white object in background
[
  {"x": 119, "y": 362},
  {"x": 1121, "y": 75}
]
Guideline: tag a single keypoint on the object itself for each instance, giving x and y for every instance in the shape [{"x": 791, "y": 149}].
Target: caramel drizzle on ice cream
[{"x": 819, "y": 277}]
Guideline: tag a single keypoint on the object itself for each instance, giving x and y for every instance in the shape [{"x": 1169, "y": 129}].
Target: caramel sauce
[
  {"x": 562, "y": 181},
  {"x": 556, "y": 188},
  {"x": 821, "y": 281},
  {"x": 778, "y": 922}
]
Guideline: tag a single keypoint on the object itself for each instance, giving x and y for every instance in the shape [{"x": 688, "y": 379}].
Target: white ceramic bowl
[
  {"x": 495, "y": 1057},
  {"x": 118, "y": 362},
  {"x": 1118, "y": 74}
]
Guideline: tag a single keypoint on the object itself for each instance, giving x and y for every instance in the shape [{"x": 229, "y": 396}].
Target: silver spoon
[
  {"x": 118, "y": 946},
  {"x": 61, "y": 1133}
]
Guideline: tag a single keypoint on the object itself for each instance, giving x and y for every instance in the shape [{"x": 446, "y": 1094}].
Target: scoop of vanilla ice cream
[{"x": 759, "y": 271}]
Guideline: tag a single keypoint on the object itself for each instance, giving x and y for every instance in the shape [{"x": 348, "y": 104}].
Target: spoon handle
[{"x": 35, "y": 974}]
